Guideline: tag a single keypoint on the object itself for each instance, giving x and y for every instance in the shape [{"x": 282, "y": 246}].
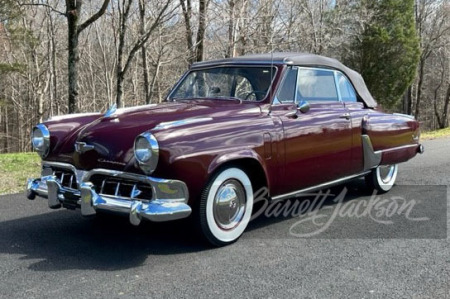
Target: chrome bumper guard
[{"x": 168, "y": 202}]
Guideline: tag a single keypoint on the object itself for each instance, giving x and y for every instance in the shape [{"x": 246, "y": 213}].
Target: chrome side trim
[
  {"x": 178, "y": 123},
  {"x": 319, "y": 187},
  {"x": 371, "y": 158},
  {"x": 396, "y": 148}
]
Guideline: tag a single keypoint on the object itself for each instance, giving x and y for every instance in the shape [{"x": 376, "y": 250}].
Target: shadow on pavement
[{"x": 64, "y": 240}]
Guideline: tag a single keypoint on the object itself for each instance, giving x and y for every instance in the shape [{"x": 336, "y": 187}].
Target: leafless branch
[
  {"x": 44, "y": 5},
  {"x": 94, "y": 17}
]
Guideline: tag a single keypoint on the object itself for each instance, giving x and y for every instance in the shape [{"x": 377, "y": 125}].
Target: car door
[{"x": 317, "y": 144}]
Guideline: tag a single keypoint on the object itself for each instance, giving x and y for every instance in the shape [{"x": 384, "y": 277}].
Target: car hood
[{"x": 113, "y": 137}]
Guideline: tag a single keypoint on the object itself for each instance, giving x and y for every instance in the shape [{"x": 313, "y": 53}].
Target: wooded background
[{"x": 67, "y": 56}]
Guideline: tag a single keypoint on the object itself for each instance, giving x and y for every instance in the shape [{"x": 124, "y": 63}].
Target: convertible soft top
[{"x": 300, "y": 59}]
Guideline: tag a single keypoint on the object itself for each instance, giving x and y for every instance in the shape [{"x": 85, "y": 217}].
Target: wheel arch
[{"x": 251, "y": 164}]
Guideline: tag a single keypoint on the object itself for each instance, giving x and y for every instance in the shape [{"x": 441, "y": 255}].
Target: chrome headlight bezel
[
  {"x": 146, "y": 152},
  {"x": 40, "y": 140}
]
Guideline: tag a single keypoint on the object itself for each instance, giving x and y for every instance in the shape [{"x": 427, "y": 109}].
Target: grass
[
  {"x": 15, "y": 169},
  {"x": 435, "y": 134}
]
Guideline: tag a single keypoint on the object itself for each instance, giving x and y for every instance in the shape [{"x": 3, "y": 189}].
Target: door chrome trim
[{"x": 319, "y": 187}]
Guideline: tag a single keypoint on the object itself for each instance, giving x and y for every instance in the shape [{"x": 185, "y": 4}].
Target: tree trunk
[
  {"x": 407, "y": 101},
  {"x": 419, "y": 87},
  {"x": 231, "y": 31},
  {"x": 144, "y": 52},
  {"x": 155, "y": 75},
  {"x": 120, "y": 68},
  {"x": 187, "y": 13},
  {"x": 203, "y": 6},
  {"x": 73, "y": 12},
  {"x": 446, "y": 105},
  {"x": 6, "y": 130}
]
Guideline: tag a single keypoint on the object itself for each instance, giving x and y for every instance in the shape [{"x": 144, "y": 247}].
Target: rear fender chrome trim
[
  {"x": 397, "y": 148},
  {"x": 371, "y": 158}
]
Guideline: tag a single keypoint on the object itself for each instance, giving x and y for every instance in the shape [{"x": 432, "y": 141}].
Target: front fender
[
  {"x": 250, "y": 161},
  {"x": 236, "y": 155}
]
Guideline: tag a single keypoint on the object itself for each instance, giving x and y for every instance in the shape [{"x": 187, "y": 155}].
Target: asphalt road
[{"x": 59, "y": 254}]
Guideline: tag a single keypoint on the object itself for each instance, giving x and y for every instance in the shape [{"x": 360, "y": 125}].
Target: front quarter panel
[{"x": 192, "y": 153}]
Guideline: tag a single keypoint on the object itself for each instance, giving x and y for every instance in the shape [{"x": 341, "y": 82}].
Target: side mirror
[{"x": 303, "y": 106}]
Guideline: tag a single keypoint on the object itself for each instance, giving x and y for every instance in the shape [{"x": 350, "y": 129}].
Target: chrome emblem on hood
[{"x": 82, "y": 147}]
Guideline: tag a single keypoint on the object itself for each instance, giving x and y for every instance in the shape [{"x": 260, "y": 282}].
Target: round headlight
[
  {"x": 40, "y": 140},
  {"x": 143, "y": 149},
  {"x": 146, "y": 152}
]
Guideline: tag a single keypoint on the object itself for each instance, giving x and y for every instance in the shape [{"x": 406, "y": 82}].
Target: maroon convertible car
[{"x": 287, "y": 122}]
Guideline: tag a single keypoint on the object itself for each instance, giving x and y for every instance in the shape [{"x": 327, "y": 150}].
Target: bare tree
[
  {"x": 196, "y": 49},
  {"x": 432, "y": 25},
  {"x": 123, "y": 63}
]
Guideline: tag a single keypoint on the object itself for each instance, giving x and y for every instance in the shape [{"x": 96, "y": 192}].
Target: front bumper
[{"x": 168, "y": 199}]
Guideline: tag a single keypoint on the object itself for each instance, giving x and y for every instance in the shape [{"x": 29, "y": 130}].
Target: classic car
[{"x": 287, "y": 122}]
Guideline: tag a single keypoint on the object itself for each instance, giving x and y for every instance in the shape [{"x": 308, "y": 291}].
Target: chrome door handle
[{"x": 345, "y": 115}]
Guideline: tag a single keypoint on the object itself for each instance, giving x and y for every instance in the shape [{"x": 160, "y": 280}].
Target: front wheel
[
  {"x": 226, "y": 206},
  {"x": 383, "y": 177}
]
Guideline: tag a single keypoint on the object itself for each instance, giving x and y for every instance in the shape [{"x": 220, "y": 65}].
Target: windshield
[{"x": 245, "y": 83}]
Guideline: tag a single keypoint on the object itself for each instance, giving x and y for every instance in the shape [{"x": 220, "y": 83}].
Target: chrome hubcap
[
  {"x": 386, "y": 173},
  {"x": 229, "y": 204}
]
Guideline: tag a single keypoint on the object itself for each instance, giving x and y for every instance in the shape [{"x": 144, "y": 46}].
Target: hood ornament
[
  {"x": 82, "y": 147},
  {"x": 111, "y": 110}
]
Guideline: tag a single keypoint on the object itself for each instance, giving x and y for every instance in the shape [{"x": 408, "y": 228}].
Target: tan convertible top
[{"x": 300, "y": 59}]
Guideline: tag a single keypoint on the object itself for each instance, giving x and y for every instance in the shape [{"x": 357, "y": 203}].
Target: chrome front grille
[
  {"x": 66, "y": 178},
  {"x": 117, "y": 187}
]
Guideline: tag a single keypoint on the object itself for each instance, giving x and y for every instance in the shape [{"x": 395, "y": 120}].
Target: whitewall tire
[
  {"x": 226, "y": 206},
  {"x": 383, "y": 177}
]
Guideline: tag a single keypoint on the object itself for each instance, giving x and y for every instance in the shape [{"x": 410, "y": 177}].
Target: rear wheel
[
  {"x": 226, "y": 206},
  {"x": 383, "y": 177}
]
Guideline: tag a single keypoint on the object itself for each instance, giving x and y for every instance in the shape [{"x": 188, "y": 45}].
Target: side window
[
  {"x": 346, "y": 89},
  {"x": 316, "y": 85},
  {"x": 287, "y": 91}
]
